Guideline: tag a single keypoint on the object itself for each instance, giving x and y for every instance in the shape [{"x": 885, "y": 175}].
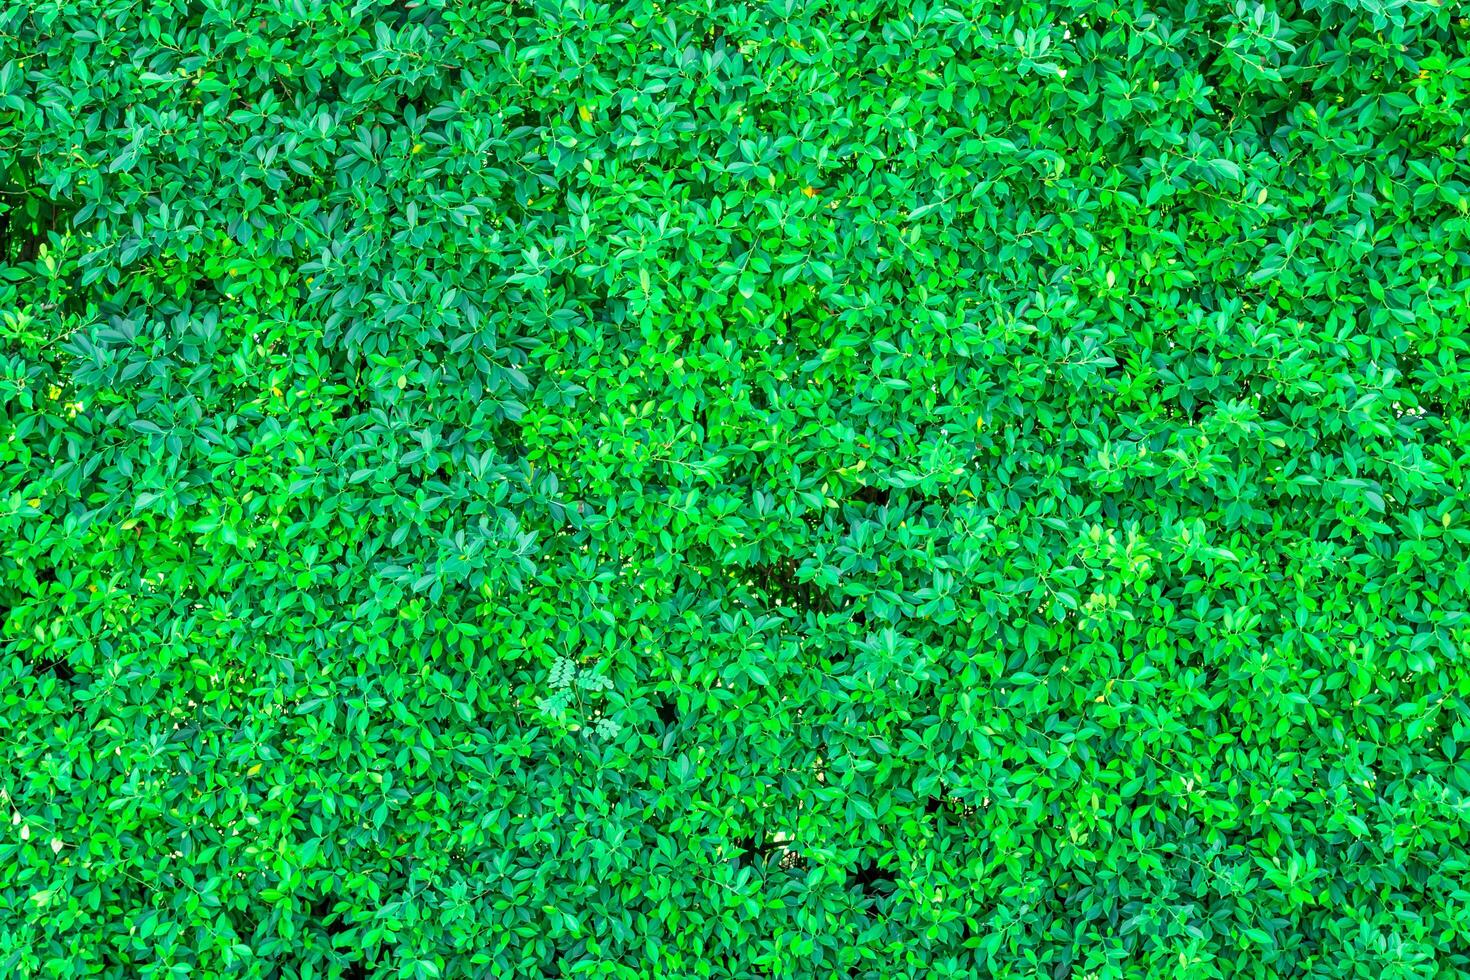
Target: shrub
[{"x": 694, "y": 490}]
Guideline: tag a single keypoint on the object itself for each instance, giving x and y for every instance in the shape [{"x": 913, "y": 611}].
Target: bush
[{"x": 692, "y": 490}]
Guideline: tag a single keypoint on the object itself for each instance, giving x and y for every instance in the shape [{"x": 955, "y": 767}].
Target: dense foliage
[{"x": 866, "y": 489}]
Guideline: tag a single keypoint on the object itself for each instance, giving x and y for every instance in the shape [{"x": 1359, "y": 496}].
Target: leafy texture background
[{"x": 687, "y": 489}]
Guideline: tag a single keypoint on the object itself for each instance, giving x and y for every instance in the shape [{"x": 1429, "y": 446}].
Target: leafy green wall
[{"x": 690, "y": 489}]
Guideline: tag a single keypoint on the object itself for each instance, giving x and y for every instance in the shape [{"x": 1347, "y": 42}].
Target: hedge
[{"x": 698, "y": 489}]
